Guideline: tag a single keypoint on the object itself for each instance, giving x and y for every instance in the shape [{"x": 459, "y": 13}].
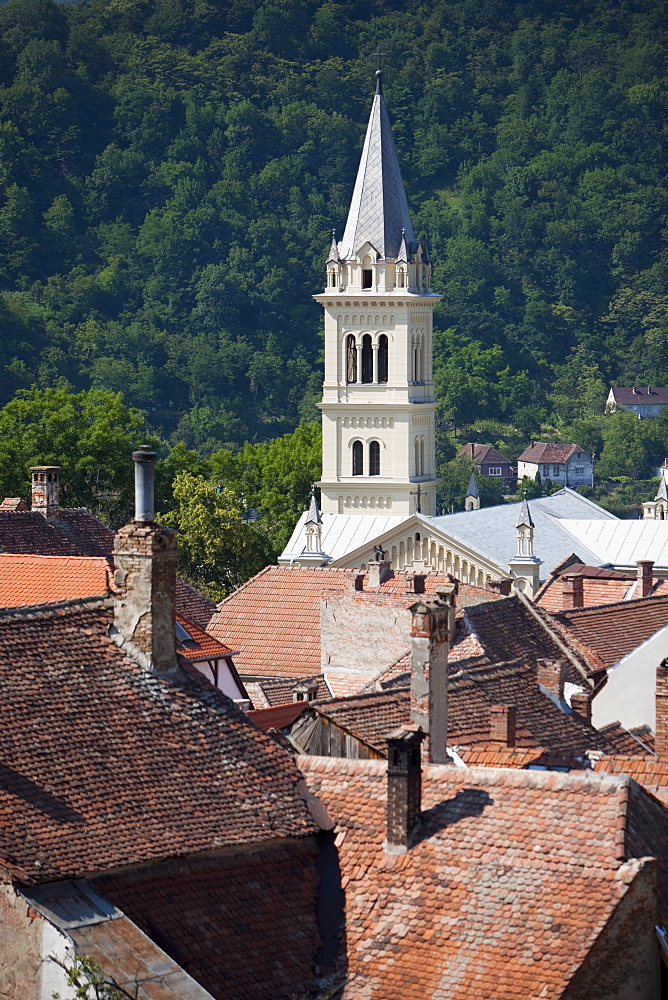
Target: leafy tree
[
  {"x": 455, "y": 477},
  {"x": 90, "y": 434},
  {"x": 89, "y": 982},
  {"x": 217, "y": 550}
]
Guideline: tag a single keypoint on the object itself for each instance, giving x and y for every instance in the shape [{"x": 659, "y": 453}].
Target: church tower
[{"x": 378, "y": 402}]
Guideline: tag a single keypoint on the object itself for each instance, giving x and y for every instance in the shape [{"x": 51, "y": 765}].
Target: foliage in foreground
[{"x": 90, "y": 983}]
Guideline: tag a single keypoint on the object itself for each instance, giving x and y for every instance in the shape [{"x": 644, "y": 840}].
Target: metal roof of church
[
  {"x": 342, "y": 533},
  {"x": 378, "y": 210}
]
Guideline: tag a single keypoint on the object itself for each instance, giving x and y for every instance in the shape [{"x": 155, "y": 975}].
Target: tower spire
[{"x": 379, "y": 209}]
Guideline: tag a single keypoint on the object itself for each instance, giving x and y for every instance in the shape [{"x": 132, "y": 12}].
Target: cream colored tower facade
[{"x": 378, "y": 402}]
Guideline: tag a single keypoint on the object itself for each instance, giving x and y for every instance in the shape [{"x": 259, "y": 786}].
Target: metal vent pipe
[{"x": 144, "y": 460}]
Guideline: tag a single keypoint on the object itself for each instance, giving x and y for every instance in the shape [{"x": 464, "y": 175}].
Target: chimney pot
[
  {"x": 661, "y": 722},
  {"x": 144, "y": 460},
  {"x": 551, "y": 675},
  {"x": 45, "y": 488},
  {"x": 572, "y": 592},
  {"x": 404, "y": 787},
  {"x": 430, "y": 635},
  {"x": 645, "y": 579},
  {"x": 502, "y": 722},
  {"x": 379, "y": 571}
]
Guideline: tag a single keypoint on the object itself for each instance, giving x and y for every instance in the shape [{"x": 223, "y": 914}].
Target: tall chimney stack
[
  {"x": 430, "y": 638},
  {"x": 145, "y": 575},
  {"x": 645, "y": 580},
  {"x": 572, "y": 592},
  {"x": 45, "y": 489},
  {"x": 551, "y": 676},
  {"x": 661, "y": 721},
  {"x": 404, "y": 787}
]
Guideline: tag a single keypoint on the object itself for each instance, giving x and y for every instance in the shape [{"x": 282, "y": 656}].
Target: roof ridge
[
  {"x": 562, "y": 641},
  {"x": 581, "y": 612},
  {"x": 52, "y": 607}
]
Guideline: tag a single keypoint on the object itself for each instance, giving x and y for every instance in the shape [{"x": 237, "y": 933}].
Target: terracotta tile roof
[
  {"x": 540, "y": 451},
  {"x": 515, "y": 629},
  {"x": 343, "y": 685},
  {"x": 104, "y": 765},
  {"x": 278, "y": 691},
  {"x": 505, "y": 890},
  {"x": 279, "y": 716},
  {"x": 541, "y": 724},
  {"x": 76, "y": 532},
  {"x": 201, "y": 645},
  {"x": 274, "y": 618},
  {"x": 650, "y": 772},
  {"x": 615, "y": 630},
  {"x": 12, "y": 503},
  {"x": 483, "y": 454},
  {"x": 242, "y": 923},
  {"x": 30, "y": 579}
]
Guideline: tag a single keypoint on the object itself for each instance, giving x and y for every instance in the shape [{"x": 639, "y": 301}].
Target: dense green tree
[
  {"x": 90, "y": 434},
  {"x": 454, "y": 482},
  {"x": 217, "y": 551}
]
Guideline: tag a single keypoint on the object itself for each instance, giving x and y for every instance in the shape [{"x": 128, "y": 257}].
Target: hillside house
[
  {"x": 645, "y": 400},
  {"x": 568, "y": 464},
  {"x": 490, "y": 462}
]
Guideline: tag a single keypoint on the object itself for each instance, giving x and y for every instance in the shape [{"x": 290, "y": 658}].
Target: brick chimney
[
  {"x": 502, "y": 721},
  {"x": 661, "y": 723},
  {"x": 379, "y": 571},
  {"x": 502, "y": 586},
  {"x": 551, "y": 675},
  {"x": 404, "y": 787},
  {"x": 572, "y": 592},
  {"x": 430, "y": 643},
  {"x": 145, "y": 561},
  {"x": 581, "y": 703},
  {"x": 45, "y": 489},
  {"x": 645, "y": 579}
]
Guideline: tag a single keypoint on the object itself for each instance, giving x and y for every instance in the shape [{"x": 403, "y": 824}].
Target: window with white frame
[{"x": 494, "y": 470}]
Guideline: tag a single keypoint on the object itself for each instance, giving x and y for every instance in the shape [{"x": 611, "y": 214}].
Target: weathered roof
[
  {"x": 483, "y": 454},
  {"x": 656, "y": 395},
  {"x": 103, "y": 933},
  {"x": 31, "y": 579},
  {"x": 600, "y": 585},
  {"x": 541, "y": 451},
  {"x": 273, "y": 620},
  {"x": 615, "y": 630},
  {"x": 104, "y": 765},
  {"x": 279, "y": 691},
  {"x": 493, "y": 899},
  {"x": 278, "y": 716},
  {"x": 378, "y": 210},
  {"x": 621, "y": 543},
  {"x": 200, "y": 645}
]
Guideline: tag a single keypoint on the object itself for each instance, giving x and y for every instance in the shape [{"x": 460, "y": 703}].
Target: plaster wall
[
  {"x": 26, "y": 943},
  {"x": 630, "y": 691},
  {"x": 362, "y": 632}
]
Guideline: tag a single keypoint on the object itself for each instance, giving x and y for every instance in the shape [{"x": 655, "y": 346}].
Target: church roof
[
  {"x": 472, "y": 490},
  {"x": 620, "y": 543},
  {"x": 662, "y": 492},
  {"x": 378, "y": 210},
  {"x": 341, "y": 533}
]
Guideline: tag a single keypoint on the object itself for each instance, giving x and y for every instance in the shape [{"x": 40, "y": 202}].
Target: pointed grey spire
[
  {"x": 524, "y": 520},
  {"x": 378, "y": 210},
  {"x": 334, "y": 250},
  {"x": 314, "y": 516},
  {"x": 473, "y": 487},
  {"x": 403, "y": 256},
  {"x": 662, "y": 493}
]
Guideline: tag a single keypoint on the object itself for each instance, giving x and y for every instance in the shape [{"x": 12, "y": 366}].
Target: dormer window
[{"x": 367, "y": 277}]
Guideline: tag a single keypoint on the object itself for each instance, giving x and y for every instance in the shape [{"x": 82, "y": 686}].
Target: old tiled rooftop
[
  {"x": 512, "y": 878},
  {"x": 600, "y": 585},
  {"x": 31, "y": 579},
  {"x": 615, "y": 630},
  {"x": 278, "y": 716},
  {"x": 274, "y": 618},
  {"x": 104, "y": 765},
  {"x": 201, "y": 645}
]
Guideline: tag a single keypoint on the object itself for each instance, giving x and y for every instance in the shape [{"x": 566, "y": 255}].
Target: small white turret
[
  {"x": 472, "y": 498},
  {"x": 313, "y": 554},
  {"x": 524, "y": 566}
]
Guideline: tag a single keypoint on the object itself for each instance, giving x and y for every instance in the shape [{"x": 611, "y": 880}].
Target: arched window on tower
[
  {"x": 332, "y": 278},
  {"x": 358, "y": 458},
  {"x": 416, "y": 362},
  {"x": 382, "y": 358},
  {"x": 422, "y": 456},
  {"x": 367, "y": 359},
  {"x": 351, "y": 359},
  {"x": 374, "y": 458},
  {"x": 417, "y": 457}
]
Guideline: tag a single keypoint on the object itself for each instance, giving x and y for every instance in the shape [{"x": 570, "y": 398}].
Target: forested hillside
[{"x": 170, "y": 171}]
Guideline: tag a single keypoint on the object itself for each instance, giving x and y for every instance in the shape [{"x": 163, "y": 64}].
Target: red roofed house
[
  {"x": 490, "y": 461},
  {"x": 572, "y": 584},
  {"x": 645, "y": 400},
  {"x": 562, "y": 463},
  {"x": 143, "y": 818}
]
